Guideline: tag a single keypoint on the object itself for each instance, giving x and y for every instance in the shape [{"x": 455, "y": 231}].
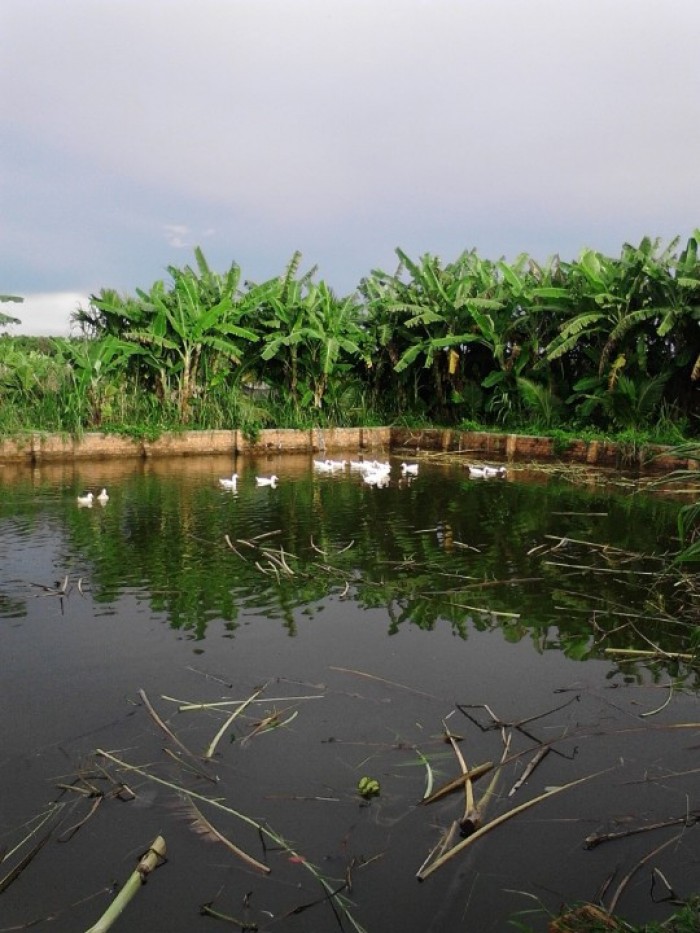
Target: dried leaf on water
[{"x": 203, "y": 827}]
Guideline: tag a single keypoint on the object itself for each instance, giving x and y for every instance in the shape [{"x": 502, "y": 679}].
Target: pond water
[{"x": 345, "y": 631}]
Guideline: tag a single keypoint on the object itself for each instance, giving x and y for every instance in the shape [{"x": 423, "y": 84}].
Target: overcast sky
[{"x": 134, "y": 130}]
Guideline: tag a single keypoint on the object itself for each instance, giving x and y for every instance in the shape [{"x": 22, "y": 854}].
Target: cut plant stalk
[
  {"x": 634, "y": 653},
  {"x": 470, "y": 840},
  {"x": 640, "y": 864},
  {"x": 159, "y": 722},
  {"x": 185, "y": 706},
  {"x": 52, "y": 814},
  {"x": 264, "y": 831},
  {"x": 596, "y": 839},
  {"x": 147, "y": 864},
  {"x": 530, "y": 767},
  {"x": 429, "y": 774},
  {"x": 215, "y": 741},
  {"x": 456, "y": 783},
  {"x": 471, "y": 818}
]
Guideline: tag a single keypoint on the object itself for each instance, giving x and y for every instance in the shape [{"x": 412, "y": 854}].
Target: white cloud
[
  {"x": 176, "y": 235},
  {"x": 44, "y": 314}
]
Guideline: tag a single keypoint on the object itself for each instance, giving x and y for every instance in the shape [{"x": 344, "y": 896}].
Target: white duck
[
  {"x": 103, "y": 497},
  {"x": 266, "y": 480},
  {"x": 377, "y": 478},
  {"x": 229, "y": 483},
  {"x": 380, "y": 467},
  {"x": 86, "y": 500},
  {"x": 409, "y": 469},
  {"x": 486, "y": 472},
  {"x": 324, "y": 466}
]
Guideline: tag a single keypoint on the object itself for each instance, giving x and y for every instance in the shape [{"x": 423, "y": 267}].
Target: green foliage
[
  {"x": 561, "y": 441},
  {"x": 540, "y": 401},
  {"x": 138, "y": 432},
  {"x": 599, "y": 343}
]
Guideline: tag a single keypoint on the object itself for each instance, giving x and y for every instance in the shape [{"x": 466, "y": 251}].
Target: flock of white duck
[{"x": 373, "y": 472}]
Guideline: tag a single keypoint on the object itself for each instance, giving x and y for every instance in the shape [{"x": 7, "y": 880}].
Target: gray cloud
[{"x": 342, "y": 128}]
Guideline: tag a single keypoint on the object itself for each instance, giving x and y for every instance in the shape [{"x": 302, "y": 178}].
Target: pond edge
[{"x": 37, "y": 447}]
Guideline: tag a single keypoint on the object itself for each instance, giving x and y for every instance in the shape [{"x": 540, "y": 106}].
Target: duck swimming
[
  {"x": 377, "y": 478},
  {"x": 86, "y": 499},
  {"x": 380, "y": 467},
  {"x": 486, "y": 472},
  {"x": 409, "y": 469},
  {"x": 103, "y": 497},
  {"x": 229, "y": 483},
  {"x": 266, "y": 480}
]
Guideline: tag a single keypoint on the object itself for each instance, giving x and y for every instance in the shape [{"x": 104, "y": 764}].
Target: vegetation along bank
[{"x": 596, "y": 346}]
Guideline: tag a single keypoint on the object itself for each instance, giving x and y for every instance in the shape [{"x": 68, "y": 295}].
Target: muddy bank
[{"x": 45, "y": 448}]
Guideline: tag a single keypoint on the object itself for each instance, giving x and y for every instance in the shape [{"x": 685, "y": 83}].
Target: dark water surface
[{"x": 370, "y": 620}]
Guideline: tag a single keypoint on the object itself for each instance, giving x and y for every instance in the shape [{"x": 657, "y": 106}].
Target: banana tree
[
  {"x": 631, "y": 314},
  {"x": 441, "y": 310},
  {"x": 96, "y": 368},
  {"x": 109, "y": 314},
  {"x": 181, "y": 329},
  {"x": 282, "y": 323},
  {"x": 333, "y": 337}
]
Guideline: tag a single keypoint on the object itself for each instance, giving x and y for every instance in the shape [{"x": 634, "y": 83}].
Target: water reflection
[
  {"x": 408, "y": 604},
  {"x": 550, "y": 561}
]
